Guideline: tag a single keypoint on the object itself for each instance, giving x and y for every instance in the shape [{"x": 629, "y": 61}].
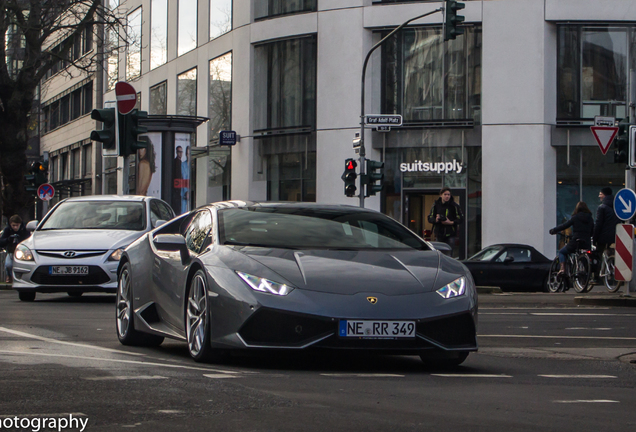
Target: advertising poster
[
  {"x": 149, "y": 167},
  {"x": 181, "y": 173}
]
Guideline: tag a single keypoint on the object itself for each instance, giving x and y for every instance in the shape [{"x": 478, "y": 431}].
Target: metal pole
[
  {"x": 364, "y": 71},
  {"x": 630, "y": 178}
]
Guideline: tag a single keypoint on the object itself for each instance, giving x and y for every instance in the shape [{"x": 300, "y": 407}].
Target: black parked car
[{"x": 510, "y": 267}]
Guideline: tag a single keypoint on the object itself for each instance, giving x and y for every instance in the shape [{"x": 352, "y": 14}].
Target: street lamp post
[{"x": 364, "y": 71}]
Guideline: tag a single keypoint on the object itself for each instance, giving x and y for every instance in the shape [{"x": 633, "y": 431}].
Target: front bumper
[{"x": 35, "y": 276}]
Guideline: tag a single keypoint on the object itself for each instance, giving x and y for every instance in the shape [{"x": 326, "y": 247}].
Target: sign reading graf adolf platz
[{"x": 384, "y": 119}]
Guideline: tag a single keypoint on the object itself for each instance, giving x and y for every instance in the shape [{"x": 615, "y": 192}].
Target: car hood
[
  {"x": 351, "y": 272},
  {"x": 82, "y": 239}
]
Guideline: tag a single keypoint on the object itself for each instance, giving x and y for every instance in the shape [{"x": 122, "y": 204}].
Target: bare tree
[{"x": 37, "y": 37}]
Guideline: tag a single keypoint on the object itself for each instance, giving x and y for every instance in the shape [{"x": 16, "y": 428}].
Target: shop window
[
  {"x": 220, "y": 17},
  {"x": 187, "y": 93},
  {"x": 187, "y": 26},
  {"x": 426, "y": 79},
  {"x": 158, "y": 33},
  {"x": 271, "y": 8},
  {"x": 158, "y": 103},
  {"x": 592, "y": 70},
  {"x": 220, "y": 97}
]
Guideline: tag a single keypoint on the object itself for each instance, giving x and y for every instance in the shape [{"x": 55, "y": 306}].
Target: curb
[
  {"x": 488, "y": 290},
  {"x": 622, "y": 300},
  {"x": 6, "y": 287}
]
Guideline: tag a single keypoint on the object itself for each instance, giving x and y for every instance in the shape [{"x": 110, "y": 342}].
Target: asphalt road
[{"x": 544, "y": 364}]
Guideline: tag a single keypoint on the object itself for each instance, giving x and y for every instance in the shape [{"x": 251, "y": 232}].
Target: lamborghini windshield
[{"x": 314, "y": 228}]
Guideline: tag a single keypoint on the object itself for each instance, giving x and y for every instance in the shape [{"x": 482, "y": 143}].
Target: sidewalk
[
  {"x": 5, "y": 286},
  {"x": 597, "y": 297}
]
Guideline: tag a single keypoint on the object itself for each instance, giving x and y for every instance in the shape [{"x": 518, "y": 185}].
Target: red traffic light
[{"x": 350, "y": 164}]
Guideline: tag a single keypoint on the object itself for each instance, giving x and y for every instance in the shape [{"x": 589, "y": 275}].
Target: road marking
[
  {"x": 141, "y": 363},
  {"x": 588, "y": 328},
  {"x": 558, "y": 337},
  {"x": 579, "y": 376},
  {"x": 557, "y": 314},
  {"x": 215, "y": 376},
  {"x": 170, "y": 411},
  {"x": 45, "y": 339},
  {"x": 586, "y": 401},
  {"x": 472, "y": 375},
  {"x": 122, "y": 378},
  {"x": 363, "y": 375}
]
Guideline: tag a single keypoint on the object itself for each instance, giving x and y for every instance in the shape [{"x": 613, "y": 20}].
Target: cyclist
[
  {"x": 582, "y": 225},
  {"x": 606, "y": 221}
]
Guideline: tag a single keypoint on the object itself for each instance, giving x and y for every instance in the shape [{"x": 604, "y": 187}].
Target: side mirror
[
  {"x": 172, "y": 243},
  {"x": 32, "y": 225},
  {"x": 159, "y": 222},
  {"x": 442, "y": 247},
  {"x": 509, "y": 259}
]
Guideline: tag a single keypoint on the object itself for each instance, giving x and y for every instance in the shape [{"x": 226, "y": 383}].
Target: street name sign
[
  {"x": 126, "y": 97},
  {"x": 625, "y": 204},
  {"x": 384, "y": 119},
  {"x": 383, "y": 129},
  {"x": 46, "y": 192},
  {"x": 604, "y": 135},
  {"x": 227, "y": 138},
  {"x": 623, "y": 258}
]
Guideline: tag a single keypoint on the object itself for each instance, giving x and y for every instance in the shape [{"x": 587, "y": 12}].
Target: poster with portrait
[
  {"x": 149, "y": 167},
  {"x": 181, "y": 173}
]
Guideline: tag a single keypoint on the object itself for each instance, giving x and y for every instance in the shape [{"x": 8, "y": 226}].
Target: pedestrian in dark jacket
[
  {"x": 445, "y": 216},
  {"x": 606, "y": 221},
  {"x": 582, "y": 225},
  {"x": 11, "y": 235}
]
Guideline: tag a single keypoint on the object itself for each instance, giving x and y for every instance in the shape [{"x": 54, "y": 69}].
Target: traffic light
[
  {"x": 130, "y": 131},
  {"x": 107, "y": 135},
  {"x": 374, "y": 174},
  {"x": 38, "y": 176},
  {"x": 621, "y": 149},
  {"x": 451, "y": 29},
  {"x": 349, "y": 177}
]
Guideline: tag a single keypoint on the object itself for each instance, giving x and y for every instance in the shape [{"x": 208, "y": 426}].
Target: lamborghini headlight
[
  {"x": 265, "y": 285},
  {"x": 23, "y": 253},
  {"x": 454, "y": 289},
  {"x": 116, "y": 255}
]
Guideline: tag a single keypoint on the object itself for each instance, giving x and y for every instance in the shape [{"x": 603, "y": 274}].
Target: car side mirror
[
  {"x": 509, "y": 259},
  {"x": 159, "y": 222},
  {"x": 32, "y": 225},
  {"x": 172, "y": 243},
  {"x": 442, "y": 247}
]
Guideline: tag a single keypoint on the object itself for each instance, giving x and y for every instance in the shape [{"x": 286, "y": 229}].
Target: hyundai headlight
[
  {"x": 454, "y": 289},
  {"x": 265, "y": 285},
  {"x": 23, "y": 253},
  {"x": 116, "y": 255}
]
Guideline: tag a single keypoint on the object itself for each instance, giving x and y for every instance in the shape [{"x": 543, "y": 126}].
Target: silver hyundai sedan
[{"x": 76, "y": 248}]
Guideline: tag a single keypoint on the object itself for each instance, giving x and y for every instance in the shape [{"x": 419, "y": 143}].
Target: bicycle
[
  {"x": 607, "y": 270},
  {"x": 577, "y": 272}
]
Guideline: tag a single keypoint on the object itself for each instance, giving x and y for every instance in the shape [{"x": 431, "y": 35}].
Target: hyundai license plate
[
  {"x": 377, "y": 329},
  {"x": 68, "y": 270}
]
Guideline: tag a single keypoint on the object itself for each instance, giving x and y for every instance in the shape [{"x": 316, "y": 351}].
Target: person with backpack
[{"x": 445, "y": 216}]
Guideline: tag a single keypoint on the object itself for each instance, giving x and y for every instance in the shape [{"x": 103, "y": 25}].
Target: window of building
[
  {"x": 53, "y": 169},
  {"x": 158, "y": 102},
  {"x": 220, "y": 17},
  {"x": 75, "y": 154},
  {"x": 220, "y": 98},
  {"x": 65, "y": 107},
  {"x": 87, "y": 160},
  {"x": 187, "y": 26},
  {"x": 158, "y": 33},
  {"x": 187, "y": 93},
  {"x": 593, "y": 64},
  {"x": 285, "y": 102},
  {"x": 133, "y": 37},
  {"x": 76, "y": 103},
  {"x": 64, "y": 169},
  {"x": 271, "y": 8},
  {"x": 71, "y": 105},
  {"x": 285, "y": 84},
  {"x": 87, "y": 39},
  {"x": 55, "y": 114},
  {"x": 427, "y": 79},
  {"x": 111, "y": 50},
  {"x": 87, "y": 90}
]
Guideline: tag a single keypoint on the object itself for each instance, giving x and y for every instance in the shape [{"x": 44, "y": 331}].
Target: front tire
[
  {"x": 26, "y": 296},
  {"x": 126, "y": 332},
  {"x": 197, "y": 321},
  {"x": 555, "y": 283}
]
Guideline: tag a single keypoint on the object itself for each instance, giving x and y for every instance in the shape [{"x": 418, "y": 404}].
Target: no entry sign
[{"x": 126, "y": 97}]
